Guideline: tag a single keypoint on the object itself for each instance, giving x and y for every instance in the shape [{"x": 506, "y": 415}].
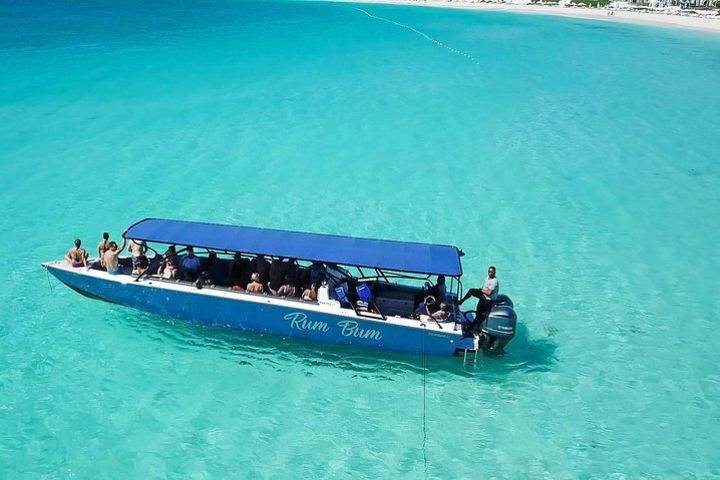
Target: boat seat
[
  {"x": 342, "y": 296},
  {"x": 366, "y": 297}
]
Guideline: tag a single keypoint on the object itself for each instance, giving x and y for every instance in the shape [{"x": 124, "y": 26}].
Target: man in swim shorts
[
  {"x": 112, "y": 258},
  {"x": 137, "y": 248}
]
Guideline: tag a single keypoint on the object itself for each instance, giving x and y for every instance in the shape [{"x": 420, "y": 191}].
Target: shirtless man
[
  {"x": 77, "y": 256},
  {"x": 287, "y": 289},
  {"x": 137, "y": 248},
  {"x": 262, "y": 267},
  {"x": 112, "y": 258},
  {"x": 441, "y": 314},
  {"x": 255, "y": 286},
  {"x": 103, "y": 247}
]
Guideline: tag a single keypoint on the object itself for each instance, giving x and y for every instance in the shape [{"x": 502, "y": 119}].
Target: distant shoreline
[{"x": 622, "y": 16}]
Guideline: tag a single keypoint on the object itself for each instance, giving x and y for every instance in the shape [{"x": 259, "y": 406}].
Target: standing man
[
  {"x": 485, "y": 295},
  {"x": 112, "y": 258},
  {"x": 137, "y": 248}
]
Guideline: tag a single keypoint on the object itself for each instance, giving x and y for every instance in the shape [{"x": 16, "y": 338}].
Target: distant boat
[{"x": 370, "y": 296}]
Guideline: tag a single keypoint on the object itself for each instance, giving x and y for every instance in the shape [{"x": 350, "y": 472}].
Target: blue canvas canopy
[{"x": 407, "y": 257}]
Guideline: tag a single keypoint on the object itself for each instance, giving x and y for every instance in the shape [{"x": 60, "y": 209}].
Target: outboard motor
[
  {"x": 503, "y": 301},
  {"x": 499, "y": 327}
]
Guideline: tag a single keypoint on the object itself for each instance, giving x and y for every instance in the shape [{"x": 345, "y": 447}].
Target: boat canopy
[{"x": 410, "y": 257}]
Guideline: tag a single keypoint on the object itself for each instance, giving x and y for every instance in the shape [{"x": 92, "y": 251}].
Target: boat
[{"x": 374, "y": 293}]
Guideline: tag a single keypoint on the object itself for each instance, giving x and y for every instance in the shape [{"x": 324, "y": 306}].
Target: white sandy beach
[{"x": 625, "y": 16}]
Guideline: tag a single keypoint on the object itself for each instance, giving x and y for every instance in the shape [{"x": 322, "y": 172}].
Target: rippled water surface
[{"x": 579, "y": 157}]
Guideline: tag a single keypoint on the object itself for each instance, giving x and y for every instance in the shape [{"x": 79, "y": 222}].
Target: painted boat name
[{"x": 348, "y": 328}]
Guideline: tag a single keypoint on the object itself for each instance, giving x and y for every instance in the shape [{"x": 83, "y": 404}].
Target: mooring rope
[
  {"x": 424, "y": 420},
  {"x": 52, "y": 289},
  {"x": 422, "y": 34}
]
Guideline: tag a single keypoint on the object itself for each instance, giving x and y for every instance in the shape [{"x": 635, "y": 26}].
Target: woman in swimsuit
[
  {"x": 77, "y": 256},
  {"x": 169, "y": 270},
  {"x": 310, "y": 294},
  {"x": 103, "y": 247}
]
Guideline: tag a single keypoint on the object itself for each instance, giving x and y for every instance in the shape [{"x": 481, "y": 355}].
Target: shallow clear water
[{"x": 579, "y": 157}]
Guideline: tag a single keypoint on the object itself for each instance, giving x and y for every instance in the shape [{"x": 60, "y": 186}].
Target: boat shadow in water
[
  {"x": 524, "y": 355},
  {"x": 283, "y": 354}
]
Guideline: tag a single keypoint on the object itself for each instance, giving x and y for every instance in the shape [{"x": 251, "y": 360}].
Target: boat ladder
[{"x": 470, "y": 354}]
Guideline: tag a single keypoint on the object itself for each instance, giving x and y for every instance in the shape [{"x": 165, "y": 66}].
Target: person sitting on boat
[
  {"x": 255, "y": 286},
  {"x": 311, "y": 294},
  {"x": 287, "y": 289},
  {"x": 141, "y": 265},
  {"x": 316, "y": 272},
  {"x": 103, "y": 247},
  {"x": 211, "y": 269},
  {"x": 112, "y": 258},
  {"x": 485, "y": 295},
  {"x": 77, "y": 256},
  {"x": 137, "y": 248},
  {"x": 292, "y": 269},
  {"x": 439, "y": 290},
  {"x": 190, "y": 265},
  {"x": 427, "y": 307},
  {"x": 262, "y": 267},
  {"x": 171, "y": 253},
  {"x": 442, "y": 314},
  {"x": 303, "y": 279},
  {"x": 168, "y": 269},
  {"x": 239, "y": 272},
  {"x": 276, "y": 275}
]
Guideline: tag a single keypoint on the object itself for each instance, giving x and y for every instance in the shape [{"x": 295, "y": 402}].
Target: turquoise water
[{"x": 579, "y": 157}]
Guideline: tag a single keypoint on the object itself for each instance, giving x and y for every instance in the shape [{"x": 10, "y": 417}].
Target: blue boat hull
[{"x": 264, "y": 315}]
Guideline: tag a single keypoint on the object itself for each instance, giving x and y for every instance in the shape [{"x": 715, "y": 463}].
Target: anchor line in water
[
  {"x": 424, "y": 419},
  {"x": 422, "y": 34},
  {"x": 52, "y": 289}
]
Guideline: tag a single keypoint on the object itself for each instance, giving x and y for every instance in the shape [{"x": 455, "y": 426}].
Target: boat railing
[
  {"x": 373, "y": 311},
  {"x": 369, "y": 314},
  {"x": 224, "y": 288},
  {"x": 186, "y": 283}
]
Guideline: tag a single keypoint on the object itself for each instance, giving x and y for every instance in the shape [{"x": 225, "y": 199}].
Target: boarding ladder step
[{"x": 470, "y": 354}]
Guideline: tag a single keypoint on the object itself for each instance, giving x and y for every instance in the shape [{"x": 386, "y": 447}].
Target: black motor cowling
[
  {"x": 503, "y": 301},
  {"x": 501, "y": 322},
  {"x": 499, "y": 327}
]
